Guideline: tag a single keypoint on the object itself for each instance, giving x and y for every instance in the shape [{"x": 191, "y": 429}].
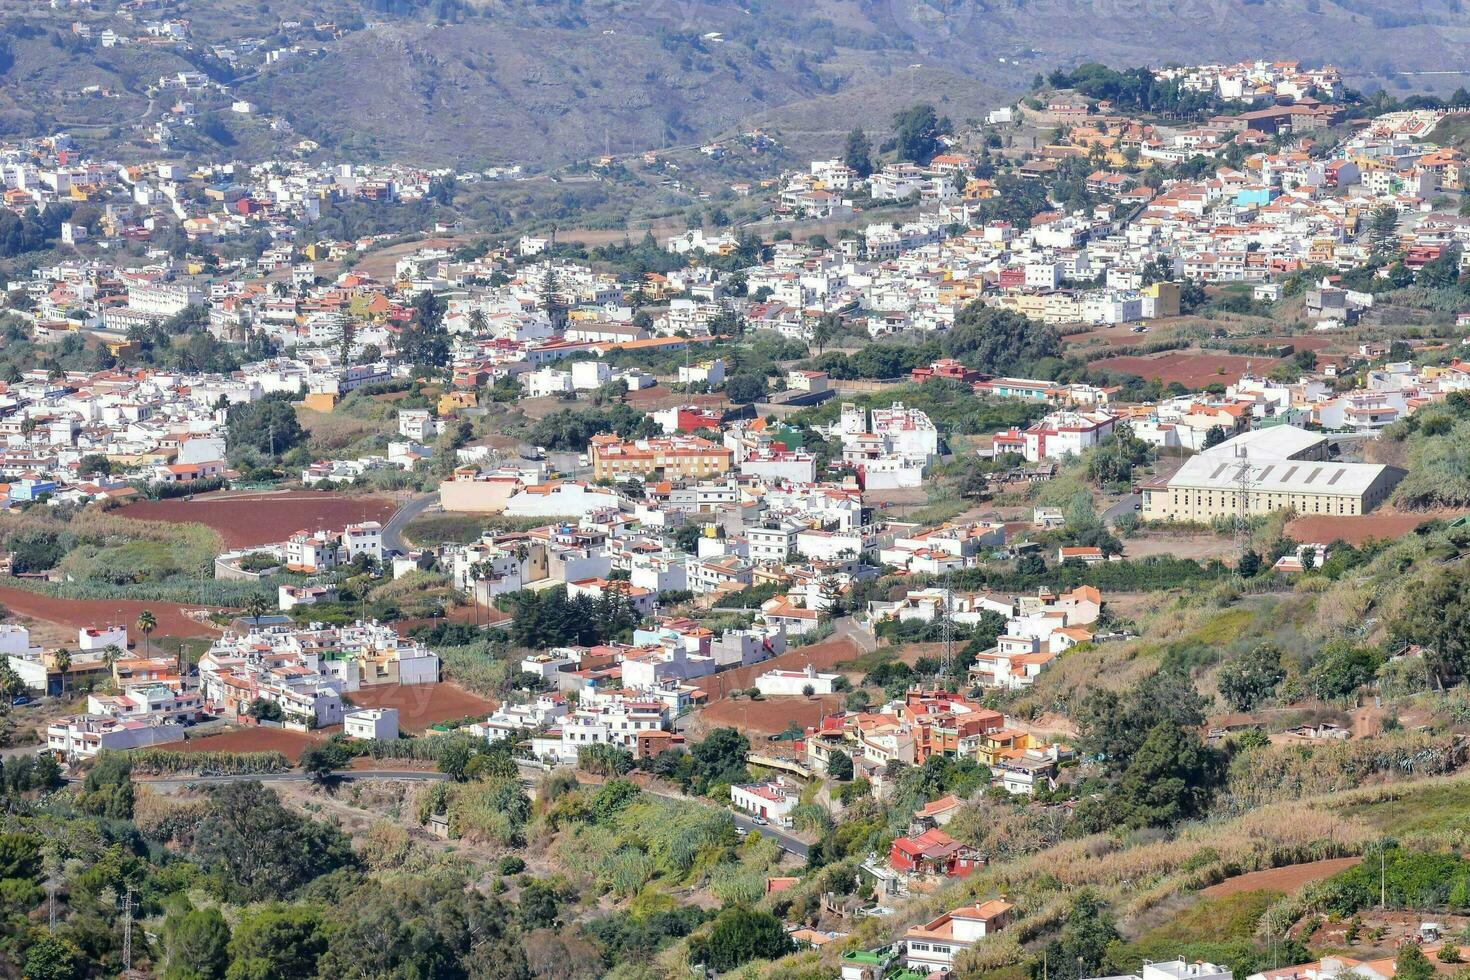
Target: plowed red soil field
[
  {"x": 422, "y": 705},
  {"x": 1354, "y": 530},
  {"x": 1289, "y": 879},
  {"x": 821, "y": 655},
  {"x": 250, "y": 740},
  {"x": 770, "y": 716},
  {"x": 243, "y": 520},
  {"x": 1190, "y": 368},
  {"x": 84, "y": 613}
]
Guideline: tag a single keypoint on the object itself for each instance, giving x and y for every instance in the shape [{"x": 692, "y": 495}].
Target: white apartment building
[
  {"x": 773, "y": 542},
  {"x": 616, "y": 722},
  {"x": 417, "y": 424},
  {"x": 83, "y": 736},
  {"x": 164, "y": 299},
  {"x": 363, "y": 539}
]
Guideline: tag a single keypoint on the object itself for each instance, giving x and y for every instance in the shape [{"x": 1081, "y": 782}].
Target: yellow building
[
  {"x": 1165, "y": 296},
  {"x": 1208, "y": 486},
  {"x": 451, "y": 401}
]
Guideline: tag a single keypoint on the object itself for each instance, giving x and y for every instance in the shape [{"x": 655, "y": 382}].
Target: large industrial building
[{"x": 1281, "y": 468}]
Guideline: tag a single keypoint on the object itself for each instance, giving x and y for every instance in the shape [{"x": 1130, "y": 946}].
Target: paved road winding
[{"x": 393, "y": 530}]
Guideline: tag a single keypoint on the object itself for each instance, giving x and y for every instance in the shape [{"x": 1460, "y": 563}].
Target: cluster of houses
[
  {"x": 924, "y": 723},
  {"x": 301, "y": 674}
]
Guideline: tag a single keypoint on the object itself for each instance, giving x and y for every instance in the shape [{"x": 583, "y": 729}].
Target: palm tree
[
  {"x": 62, "y": 659},
  {"x": 257, "y": 606},
  {"x": 111, "y": 654},
  {"x": 147, "y": 623},
  {"x": 11, "y": 686}
]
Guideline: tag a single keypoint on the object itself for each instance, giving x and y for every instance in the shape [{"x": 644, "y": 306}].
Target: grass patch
[
  {"x": 1428, "y": 809},
  {"x": 867, "y": 662},
  {"x": 1231, "y": 917},
  {"x": 427, "y": 529},
  {"x": 1219, "y": 930},
  {"x": 938, "y": 512},
  {"x": 1451, "y": 131},
  {"x": 442, "y": 528},
  {"x": 1223, "y": 628}
]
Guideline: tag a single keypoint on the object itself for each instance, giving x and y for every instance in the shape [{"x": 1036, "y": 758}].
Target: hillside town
[{"x": 974, "y": 562}]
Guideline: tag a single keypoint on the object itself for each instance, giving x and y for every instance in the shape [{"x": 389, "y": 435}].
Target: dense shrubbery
[
  {"x": 171, "y": 762},
  {"x": 1135, "y": 575},
  {"x": 549, "y": 618}
]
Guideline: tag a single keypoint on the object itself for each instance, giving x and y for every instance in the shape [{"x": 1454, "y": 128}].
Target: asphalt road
[
  {"x": 393, "y": 530},
  {"x": 848, "y": 627},
  {"x": 788, "y": 842},
  {"x": 1127, "y": 505}
]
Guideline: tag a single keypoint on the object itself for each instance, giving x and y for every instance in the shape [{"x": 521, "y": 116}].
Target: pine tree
[{"x": 551, "y": 300}]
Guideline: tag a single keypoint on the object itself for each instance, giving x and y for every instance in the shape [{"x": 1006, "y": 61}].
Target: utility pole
[
  {"x": 946, "y": 662},
  {"x": 52, "y": 884},
  {"x": 127, "y": 950}
]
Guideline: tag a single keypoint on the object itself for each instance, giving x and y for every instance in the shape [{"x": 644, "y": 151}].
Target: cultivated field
[
  {"x": 1193, "y": 369},
  {"x": 1289, "y": 879},
  {"x": 290, "y": 744},
  {"x": 822, "y": 655},
  {"x": 84, "y": 613},
  {"x": 1355, "y": 530},
  {"x": 243, "y": 520},
  {"x": 422, "y": 705},
  {"x": 656, "y": 397},
  {"x": 770, "y": 716},
  {"x": 380, "y": 263}
]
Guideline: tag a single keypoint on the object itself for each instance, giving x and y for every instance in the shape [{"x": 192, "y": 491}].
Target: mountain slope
[{"x": 547, "y": 81}]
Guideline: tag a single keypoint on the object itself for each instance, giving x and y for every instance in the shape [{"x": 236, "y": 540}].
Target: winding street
[{"x": 393, "y": 530}]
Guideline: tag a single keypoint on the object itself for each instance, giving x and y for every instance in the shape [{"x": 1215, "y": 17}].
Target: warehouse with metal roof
[{"x": 1209, "y": 486}]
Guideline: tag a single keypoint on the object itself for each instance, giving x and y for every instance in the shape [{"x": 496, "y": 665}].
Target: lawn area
[{"x": 1428, "y": 809}]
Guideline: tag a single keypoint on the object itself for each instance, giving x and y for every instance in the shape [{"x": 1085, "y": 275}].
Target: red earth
[
  {"x": 85, "y": 613},
  {"x": 1289, "y": 879},
  {"x": 243, "y": 520},
  {"x": 283, "y": 740},
  {"x": 1355, "y": 530},
  {"x": 770, "y": 716},
  {"x": 422, "y": 705},
  {"x": 823, "y": 656},
  {"x": 1193, "y": 369}
]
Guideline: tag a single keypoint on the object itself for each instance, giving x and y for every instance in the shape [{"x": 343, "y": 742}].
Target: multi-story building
[
  {"x": 83, "y": 736},
  {"x": 616, "y": 721},
  {"x": 933, "y": 946},
  {"x": 656, "y": 460}
]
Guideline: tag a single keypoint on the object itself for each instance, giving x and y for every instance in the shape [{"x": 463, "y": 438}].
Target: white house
[
  {"x": 102, "y": 637},
  {"x": 777, "y": 683},
  {"x": 371, "y": 723},
  {"x": 933, "y": 946},
  {"x": 768, "y": 801}
]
